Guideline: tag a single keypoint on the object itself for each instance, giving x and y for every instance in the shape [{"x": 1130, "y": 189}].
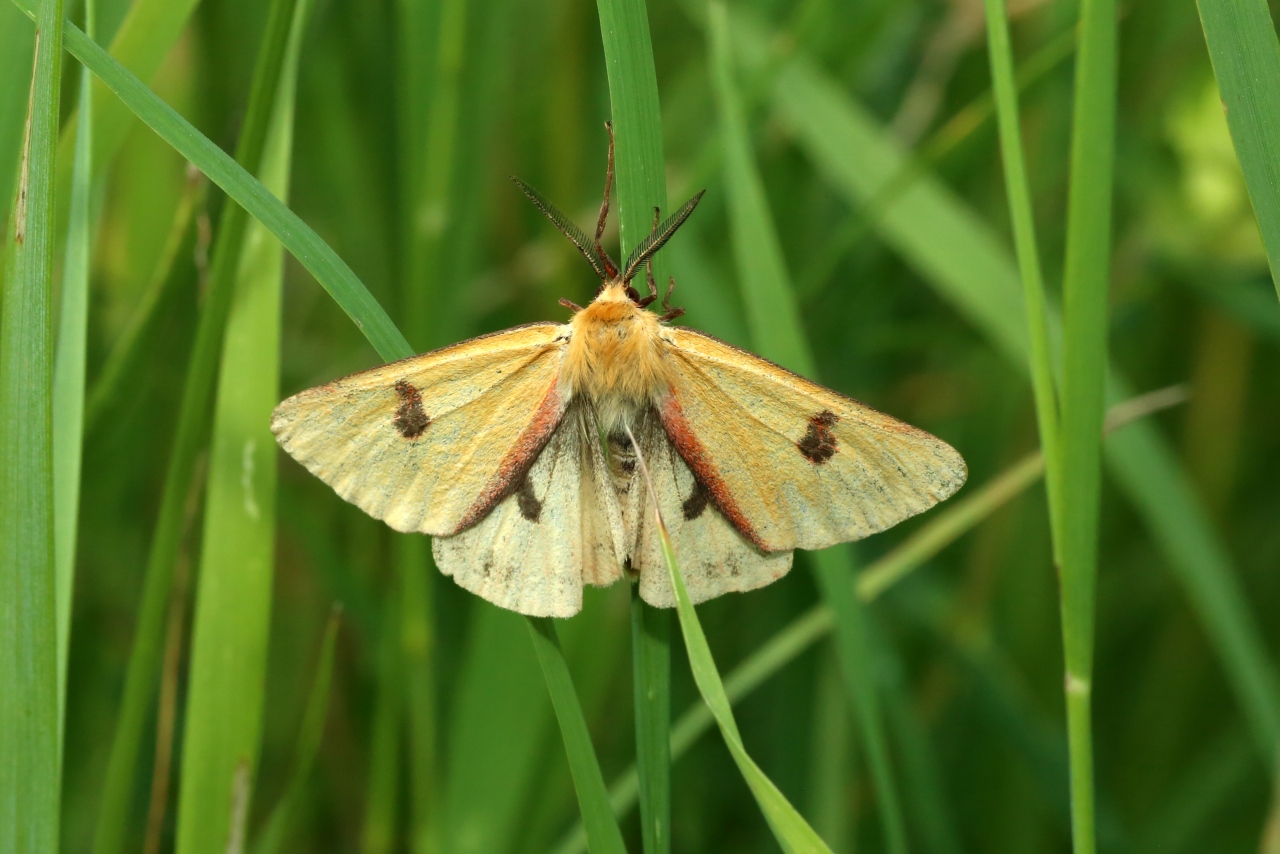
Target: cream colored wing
[
  {"x": 559, "y": 529},
  {"x": 431, "y": 443},
  {"x": 713, "y": 557},
  {"x": 792, "y": 464}
]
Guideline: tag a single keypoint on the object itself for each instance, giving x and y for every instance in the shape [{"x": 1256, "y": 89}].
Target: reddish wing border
[
  {"x": 703, "y": 468},
  {"x": 521, "y": 456}
]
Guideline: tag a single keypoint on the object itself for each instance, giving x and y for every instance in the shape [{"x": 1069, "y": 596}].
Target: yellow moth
[{"x": 494, "y": 447}]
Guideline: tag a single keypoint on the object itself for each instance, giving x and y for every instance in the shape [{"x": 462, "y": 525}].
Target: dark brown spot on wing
[
  {"x": 530, "y": 506},
  {"x": 696, "y": 503},
  {"x": 410, "y": 420},
  {"x": 818, "y": 443}
]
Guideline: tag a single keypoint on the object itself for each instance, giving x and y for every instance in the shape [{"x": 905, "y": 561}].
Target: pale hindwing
[
  {"x": 793, "y": 464},
  {"x": 425, "y": 442},
  {"x": 713, "y": 557},
  {"x": 560, "y": 528}
]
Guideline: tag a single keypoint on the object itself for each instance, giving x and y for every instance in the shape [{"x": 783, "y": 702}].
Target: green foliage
[{"x": 830, "y": 240}]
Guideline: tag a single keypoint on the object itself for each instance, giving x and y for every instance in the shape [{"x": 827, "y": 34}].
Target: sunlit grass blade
[
  {"x": 947, "y": 525},
  {"x": 776, "y": 331},
  {"x": 305, "y": 245},
  {"x": 1242, "y": 43},
  {"x": 29, "y": 699},
  {"x": 960, "y": 257},
  {"x": 69, "y": 375},
  {"x": 642, "y": 187},
  {"x": 285, "y": 814},
  {"x": 790, "y": 829},
  {"x": 228, "y": 663},
  {"x": 1085, "y": 289},
  {"x": 1018, "y": 190},
  {"x": 16, "y": 37},
  {"x": 144, "y": 661},
  {"x": 602, "y": 830}
]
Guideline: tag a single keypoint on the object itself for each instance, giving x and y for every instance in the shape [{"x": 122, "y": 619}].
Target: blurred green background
[{"x": 967, "y": 648}]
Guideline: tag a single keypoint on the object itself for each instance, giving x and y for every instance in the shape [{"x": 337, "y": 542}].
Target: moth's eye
[{"x": 633, "y": 294}]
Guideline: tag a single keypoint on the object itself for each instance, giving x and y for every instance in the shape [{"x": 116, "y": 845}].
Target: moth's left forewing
[{"x": 790, "y": 463}]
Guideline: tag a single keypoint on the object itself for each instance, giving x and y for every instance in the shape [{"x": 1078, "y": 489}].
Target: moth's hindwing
[
  {"x": 433, "y": 442},
  {"x": 789, "y": 463},
  {"x": 557, "y": 530},
  {"x": 714, "y": 557}
]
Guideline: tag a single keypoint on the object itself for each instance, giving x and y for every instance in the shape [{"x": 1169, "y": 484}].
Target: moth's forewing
[
  {"x": 430, "y": 443},
  {"x": 790, "y": 463}
]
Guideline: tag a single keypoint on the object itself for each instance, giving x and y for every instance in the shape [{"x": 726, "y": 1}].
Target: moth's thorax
[{"x": 616, "y": 356}]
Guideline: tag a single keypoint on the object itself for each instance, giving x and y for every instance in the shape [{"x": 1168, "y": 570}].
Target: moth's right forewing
[{"x": 431, "y": 443}]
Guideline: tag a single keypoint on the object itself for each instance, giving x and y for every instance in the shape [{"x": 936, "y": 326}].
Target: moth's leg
[
  {"x": 672, "y": 313},
  {"x": 604, "y": 206},
  {"x": 648, "y": 266}
]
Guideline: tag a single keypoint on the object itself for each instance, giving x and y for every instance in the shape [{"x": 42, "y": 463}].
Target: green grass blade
[
  {"x": 1246, "y": 60},
  {"x": 144, "y": 661},
  {"x": 29, "y": 768},
  {"x": 641, "y": 186},
  {"x": 68, "y": 377},
  {"x": 301, "y": 241},
  {"x": 790, "y": 829},
  {"x": 285, "y": 814},
  {"x": 776, "y": 331},
  {"x": 16, "y": 38},
  {"x": 1085, "y": 288},
  {"x": 377, "y": 833},
  {"x": 227, "y": 680},
  {"x": 960, "y": 257},
  {"x": 602, "y": 830},
  {"x": 1000, "y": 52}
]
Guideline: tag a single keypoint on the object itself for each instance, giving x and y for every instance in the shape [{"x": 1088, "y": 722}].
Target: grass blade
[
  {"x": 775, "y": 326},
  {"x": 310, "y": 734},
  {"x": 227, "y": 681},
  {"x": 641, "y": 177},
  {"x": 790, "y": 829},
  {"x": 68, "y": 377},
  {"x": 603, "y": 834},
  {"x": 1018, "y": 189},
  {"x": 1246, "y": 60},
  {"x": 29, "y": 769},
  {"x": 144, "y": 661},
  {"x": 1085, "y": 287}
]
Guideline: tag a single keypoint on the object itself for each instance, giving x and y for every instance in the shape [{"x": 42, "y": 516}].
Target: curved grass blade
[
  {"x": 1246, "y": 60},
  {"x": 790, "y": 829},
  {"x": 602, "y": 830},
  {"x": 641, "y": 177},
  {"x": 29, "y": 768},
  {"x": 228, "y": 664},
  {"x": 776, "y": 330},
  {"x": 68, "y": 376}
]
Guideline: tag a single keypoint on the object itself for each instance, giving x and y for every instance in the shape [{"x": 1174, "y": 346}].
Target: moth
[{"x": 517, "y": 451}]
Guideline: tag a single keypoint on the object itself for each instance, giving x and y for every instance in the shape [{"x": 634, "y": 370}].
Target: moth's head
[{"x": 612, "y": 276}]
